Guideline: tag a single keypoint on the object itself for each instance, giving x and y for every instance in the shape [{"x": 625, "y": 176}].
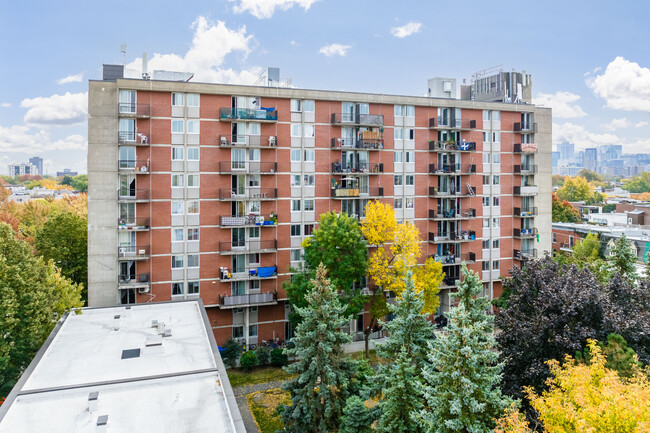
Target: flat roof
[{"x": 146, "y": 382}]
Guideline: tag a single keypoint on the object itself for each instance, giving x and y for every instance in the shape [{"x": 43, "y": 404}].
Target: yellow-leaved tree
[{"x": 396, "y": 250}]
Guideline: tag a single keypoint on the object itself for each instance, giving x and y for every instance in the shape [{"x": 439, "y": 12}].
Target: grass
[
  {"x": 264, "y": 404},
  {"x": 373, "y": 359},
  {"x": 239, "y": 377}
]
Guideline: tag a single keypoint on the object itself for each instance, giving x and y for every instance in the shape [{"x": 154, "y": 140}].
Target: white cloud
[
  {"x": 266, "y": 8},
  {"x": 562, "y": 103},
  {"x": 580, "y": 137},
  {"x": 67, "y": 109},
  {"x": 334, "y": 50},
  {"x": 624, "y": 85},
  {"x": 5, "y": 105},
  {"x": 18, "y": 138},
  {"x": 210, "y": 45},
  {"x": 593, "y": 71},
  {"x": 293, "y": 43},
  {"x": 640, "y": 124},
  {"x": 78, "y": 78},
  {"x": 623, "y": 123},
  {"x": 406, "y": 30}
]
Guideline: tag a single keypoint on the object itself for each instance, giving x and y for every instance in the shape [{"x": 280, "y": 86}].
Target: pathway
[{"x": 240, "y": 395}]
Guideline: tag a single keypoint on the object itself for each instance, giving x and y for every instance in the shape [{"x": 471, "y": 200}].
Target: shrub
[
  {"x": 263, "y": 356},
  {"x": 232, "y": 352},
  {"x": 248, "y": 360},
  {"x": 278, "y": 357}
]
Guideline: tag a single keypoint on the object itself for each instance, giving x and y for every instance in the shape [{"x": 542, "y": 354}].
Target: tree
[
  {"x": 319, "y": 391},
  {"x": 248, "y": 360},
  {"x": 64, "y": 239},
  {"x": 574, "y": 189},
  {"x": 622, "y": 259},
  {"x": 356, "y": 416},
  {"x": 462, "y": 377},
  {"x": 338, "y": 244},
  {"x": 590, "y": 176},
  {"x": 563, "y": 212},
  {"x": 80, "y": 183},
  {"x": 33, "y": 296},
  {"x": 558, "y": 180},
  {"x": 647, "y": 266},
  {"x": 588, "y": 249},
  {"x": 618, "y": 356},
  {"x": 231, "y": 353},
  {"x": 638, "y": 184},
  {"x": 66, "y": 180}
]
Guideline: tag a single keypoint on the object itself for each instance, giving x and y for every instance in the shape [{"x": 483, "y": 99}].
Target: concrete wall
[{"x": 544, "y": 161}]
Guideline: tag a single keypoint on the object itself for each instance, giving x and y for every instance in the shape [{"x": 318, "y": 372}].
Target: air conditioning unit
[
  {"x": 144, "y": 169},
  {"x": 122, "y": 251},
  {"x": 142, "y": 252},
  {"x": 223, "y": 141},
  {"x": 144, "y": 289},
  {"x": 272, "y": 140}
]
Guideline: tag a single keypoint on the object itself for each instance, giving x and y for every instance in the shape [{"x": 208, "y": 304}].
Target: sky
[{"x": 589, "y": 60}]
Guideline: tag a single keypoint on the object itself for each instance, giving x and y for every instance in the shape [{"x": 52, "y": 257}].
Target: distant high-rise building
[
  {"x": 21, "y": 169},
  {"x": 591, "y": 158},
  {"x": 38, "y": 163},
  {"x": 566, "y": 151},
  {"x": 66, "y": 172},
  {"x": 494, "y": 85},
  {"x": 555, "y": 158}
]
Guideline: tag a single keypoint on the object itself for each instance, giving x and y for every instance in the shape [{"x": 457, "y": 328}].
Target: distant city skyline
[{"x": 597, "y": 82}]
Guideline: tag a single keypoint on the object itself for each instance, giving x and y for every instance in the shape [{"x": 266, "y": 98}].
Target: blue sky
[{"x": 589, "y": 60}]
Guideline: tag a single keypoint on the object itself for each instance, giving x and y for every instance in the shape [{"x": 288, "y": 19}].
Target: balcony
[
  {"x": 247, "y": 221},
  {"x": 450, "y": 283},
  {"x": 253, "y": 299},
  {"x": 524, "y": 190},
  {"x": 133, "y": 281},
  {"x": 525, "y": 148},
  {"x": 132, "y": 252},
  {"x": 345, "y": 192},
  {"x": 358, "y": 143},
  {"x": 249, "y": 246},
  {"x": 230, "y": 194},
  {"x": 134, "y": 110},
  {"x": 524, "y": 233},
  {"x": 452, "y": 237},
  {"x": 267, "y": 115},
  {"x": 246, "y": 274},
  {"x": 452, "y": 146},
  {"x": 133, "y": 195},
  {"x": 357, "y": 119},
  {"x": 465, "y": 191},
  {"x": 133, "y": 166},
  {"x": 527, "y": 212},
  {"x": 451, "y": 123},
  {"x": 242, "y": 140},
  {"x": 455, "y": 259},
  {"x": 525, "y": 169},
  {"x": 361, "y": 167},
  {"x": 454, "y": 169},
  {"x": 248, "y": 167},
  {"x": 136, "y": 224},
  {"x": 525, "y": 127},
  {"x": 452, "y": 214},
  {"x": 525, "y": 254},
  {"x": 133, "y": 137}
]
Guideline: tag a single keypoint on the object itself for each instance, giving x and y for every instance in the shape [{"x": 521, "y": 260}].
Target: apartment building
[{"x": 209, "y": 189}]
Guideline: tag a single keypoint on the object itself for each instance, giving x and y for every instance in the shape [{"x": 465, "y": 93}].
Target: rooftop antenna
[{"x": 123, "y": 51}]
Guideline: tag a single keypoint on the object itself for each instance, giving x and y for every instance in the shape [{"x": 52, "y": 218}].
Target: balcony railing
[
  {"x": 242, "y": 140},
  {"x": 133, "y": 280},
  {"x": 462, "y": 236},
  {"x": 133, "y": 252},
  {"x": 133, "y": 223},
  {"x": 252, "y": 299},
  {"x": 358, "y": 143},
  {"x": 358, "y": 119},
  {"x": 133, "y": 194},
  {"x": 524, "y": 190},
  {"x": 249, "y": 167},
  {"x": 451, "y": 123},
  {"x": 525, "y": 212},
  {"x": 266, "y": 115},
  {"x": 525, "y": 254},
  {"x": 450, "y": 282},
  {"x": 524, "y": 233},
  {"x": 249, "y": 246},
  {"x": 132, "y": 109},
  {"x": 361, "y": 167},
  {"x": 452, "y": 214},
  {"x": 525, "y": 169},
  {"x": 133, "y": 137},
  {"x": 248, "y": 194},
  {"x": 133, "y": 165},
  {"x": 248, "y": 220},
  {"x": 465, "y": 191},
  {"x": 525, "y": 127},
  {"x": 455, "y": 259},
  {"x": 524, "y": 148},
  {"x": 452, "y": 169},
  {"x": 452, "y": 146},
  {"x": 345, "y": 192},
  {"x": 248, "y": 273}
]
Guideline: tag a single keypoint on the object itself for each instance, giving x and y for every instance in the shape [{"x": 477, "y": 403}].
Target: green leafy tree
[
  {"x": 263, "y": 355},
  {"x": 619, "y": 357},
  {"x": 64, "y": 239},
  {"x": 574, "y": 189},
  {"x": 623, "y": 259},
  {"x": 594, "y": 198},
  {"x": 248, "y": 360},
  {"x": 587, "y": 249},
  {"x": 232, "y": 352},
  {"x": 463, "y": 375},
  {"x": 609, "y": 208},
  {"x": 647, "y": 266},
  {"x": 319, "y": 390},
  {"x": 638, "y": 184},
  {"x": 278, "y": 357},
  {"x": 356, "y": 416},
  {"x": 66, "y": 180},
  {"x": 80, "y": 183},
  {"x": 33, "y": 296},
  {"x": 563, "y": 212},
  {"x": 590, "y": 176}
]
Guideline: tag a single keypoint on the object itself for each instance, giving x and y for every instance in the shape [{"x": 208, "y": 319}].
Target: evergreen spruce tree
[
  {"x": 623, "y": 259},
  {"x": 356, "y": 417},
  {"x": 462, "y": 377},
  {"x": 319, "y": 391},
  {"x": 647, "y": 266}
]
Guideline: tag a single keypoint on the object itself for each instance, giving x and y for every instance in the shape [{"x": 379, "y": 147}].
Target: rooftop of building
[
  {"x": 147, "y": 382},
  {"x": 632, "y": 233}
]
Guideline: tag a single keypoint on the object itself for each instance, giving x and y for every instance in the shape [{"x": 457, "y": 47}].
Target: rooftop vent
[
  {"x": 102, "y": 422},
  {"x": 116, "y": 322},
  {"x": 130, "y": 353},
  {"x": 154, "y": 344},
  {"x": 92, "y": 401}
]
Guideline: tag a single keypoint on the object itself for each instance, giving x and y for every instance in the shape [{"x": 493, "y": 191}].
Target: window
[
  {"x": 495, "y": 201},
  {"x": 496, "y": 158},
  {"x": 486, "y": 244},
  {"x": 254, "y": 232},
  {"x": 192, "y": 260},
  {"x": 554, "y": 237},
  {"x": 398, "y": 180},
  {"x": 192, "y": 287},
  {"x": 192, "y": 153},
  {"x": 252, "y": 330},
  {"x": 398, "y": 134},
  {"x": 410, "y": 156},
  {"x": 309, "y": 155},
  {"x": 177, "y": 289},
  {"x": 486, "y": 201},
  {"x": 295, "y": 155},
  {"x": 295, "y": 180},
  {"x": 254, "y": 129},
  {"x": 309, "y": 205},
  {"x": 254, "y": 259},
  {"x": 486, "y": 115},
  {"x": 193, "y": 126},
  {"x": 486, "y": 265},
  {"x": 410, "y": 179},
  {"x": 496, "y": 137},
  {"x": 496, "y": 222},
  {"x": 410, "y": 111},
  {"x": 295, "y": 230},
  {"x": 309, "y": 229},
  {"x": 237, "y": 332},
  {"x": 486, "y": 158},
  {"x": 486, "y": 222},
  {"x": 177, "y": 180},
  {"x": 309, "y": 131},
  {"x": 127, "y": 101},
  {"x": 397, "y": 156},
  {"x": 309, "y": 106},
  {"x": 296, "y": 130},
  {"x": 496, "y": 179},
  {"x": 399, "y": 110},
  {"x": 295, "y": 255},
  {"x": 254, "y": 180},
  {"x": 177, "y": 153},
  {"x": 177, "y": 99},
  {"x": 295, "y": 205},
  {"x": 178, "y": 207},
  {"x": 486, "y": 137},
  {"x": 486, "y": 179},
  {"x": 398, "y": 203},
  {"x": 193, "y": 99},
  {"x": 254, "y": 288},
  {"x": 495, "y": 244},
  {"x": 496, "y": 116},
  {"x": 495, "y": 264},
  {"x": 410, "y": 202},
  {"x": 295, "y": 105},
  {"x": 177, "y": 262},
  {"x": 193, "y": 234},
  {"x": 178, "y": 126},
  {"x": 193, "y": 207},
  {"x": 177, "y": 235},
  {"x": 193, "y": 180},
  {"x": 309, "y": 180},
  {"x": 410, "y": 134}
]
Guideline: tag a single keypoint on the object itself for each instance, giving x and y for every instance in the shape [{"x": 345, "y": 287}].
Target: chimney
[
  {"x": 102, "y": 422},
  {"x": 144, "y": 64},
  {"x": 92, "y": 401}
]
